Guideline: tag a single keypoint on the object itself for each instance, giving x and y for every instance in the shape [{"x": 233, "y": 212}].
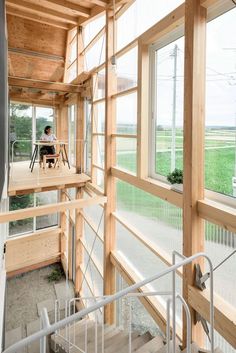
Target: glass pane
[
  {"x": 126, "y": 70},
  {"x": 98, "y": 154},
  {"x": 44, "y": 117},
  {"x": 157, "y": 219},
  {"x": 126, "y": 114},
  {"x": 168, "y": 107},
  {"x": 20, "y": 136},
  {"x": 92, "y": 28},
  {"x": 72, "y": 72},
  {"x": 126, "y": 153},
  {"x": 99, "y": 83},
  {"x": 220, "y": 131},
  {"x": 140, "y": 16},
  {"x": 46, "y": 198},
  {"x": 73, "y": 51},
  {"x": 18, "y": 203},
  {"x": 99, "y": 117},
  {"x": 96, "y": 55}
]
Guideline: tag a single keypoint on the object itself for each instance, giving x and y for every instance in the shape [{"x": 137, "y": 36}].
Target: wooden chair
[{"x": 56, "y": 157}]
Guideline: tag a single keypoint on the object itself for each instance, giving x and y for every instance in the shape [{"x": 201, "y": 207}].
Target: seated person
[{"x": 47, "y": 136}]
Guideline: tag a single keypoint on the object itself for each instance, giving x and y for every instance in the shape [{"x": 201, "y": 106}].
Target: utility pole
[{"x": 173, "y": 137}]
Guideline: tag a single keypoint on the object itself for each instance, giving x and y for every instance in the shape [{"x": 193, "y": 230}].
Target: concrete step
[
  {"x": 164, "y": 349},
  {"x": 119, "y": 343},
  {"x": 64, "y": 292},
  {"x": 152, "y": 346},
  {"x": 137, "y": 343},
  {"x": 49, "y": 304},
  {"x": 31, "y": 328},
  {"x": 14, "y": 336}
]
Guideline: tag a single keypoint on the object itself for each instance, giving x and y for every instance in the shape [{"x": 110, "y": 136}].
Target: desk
[{"x": 62, "y": 152}]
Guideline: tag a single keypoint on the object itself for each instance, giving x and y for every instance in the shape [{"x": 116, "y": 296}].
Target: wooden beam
[
  {"x": 194, "y": 133},
  {"x": 31, "y": 53},
  {"x": 217, "y": 213},
  {"x": 153, "y": 187},
  {"x": 169, "y": 24},
  {"x": 143, "y": 110},
  {"x": 43, "y": 85},
  {"x": 79, "y": 254},
  {"x": 41, "y": 11},
  {"x": 224, "y": 313},
  {"x": 102, "y": 3},
  {"x": 37, "y": 18},
  {"x": 95, "y": 12},
  {"x": 110, "y": 155},
  {"x": 49, "y": 209},
  {"x": 34, "y": 97},
  {"x": 65, "y": 6}
]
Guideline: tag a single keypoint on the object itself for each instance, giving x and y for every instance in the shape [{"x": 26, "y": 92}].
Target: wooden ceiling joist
[
  {"x": 31, "y": 53},
  {"x": 36, "y": 17},
  {"x": 42, "y": 11},
  {"x": 43, "y": 85},
  {"x": 102, "y": 3},
  {"x": 65, "y": 6}
]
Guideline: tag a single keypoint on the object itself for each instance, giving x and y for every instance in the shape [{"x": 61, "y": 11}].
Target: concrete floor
[{"x": 23, "y": 292}]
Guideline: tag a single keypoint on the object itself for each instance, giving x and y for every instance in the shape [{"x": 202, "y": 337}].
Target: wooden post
[
  {"x": 63, "y": 231},
  {"x": 79, "y": 227},
  {"x": 142, "y": 110},
  {"x": 110, "y": 192},
  {"x": 194, "y": 130}
]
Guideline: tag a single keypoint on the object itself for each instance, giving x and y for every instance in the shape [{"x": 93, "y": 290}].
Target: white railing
[
  {"x": 67, "y": 321},
  {"x": 69, "y": 333}
]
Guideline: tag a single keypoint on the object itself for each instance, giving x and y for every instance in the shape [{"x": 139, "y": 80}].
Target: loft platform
[{"x": 22, "y": 181}]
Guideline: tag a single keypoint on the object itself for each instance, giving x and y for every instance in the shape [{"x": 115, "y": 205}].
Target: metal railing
[
  {"x": 68, "y": 335},
  {"x": 49, "y": 329}
]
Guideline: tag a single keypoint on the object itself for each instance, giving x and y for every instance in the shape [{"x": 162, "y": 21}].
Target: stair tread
[
  {"x": 13, "y": 336},
  {"x": 152, "y": 346},
  {"x": 136, "y": 343}
]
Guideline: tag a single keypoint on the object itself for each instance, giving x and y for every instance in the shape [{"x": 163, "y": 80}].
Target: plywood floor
[{"x": 22, "y": 181}]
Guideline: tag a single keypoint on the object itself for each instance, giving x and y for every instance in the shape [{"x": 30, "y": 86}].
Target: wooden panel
[
  {"x": 225, "y": 314},
  {"x": 34, "y": 36},
  {"x": 194, "y": 133},
  {"x": 32, "y": 249},
  {"x": 35, "y": 68}
]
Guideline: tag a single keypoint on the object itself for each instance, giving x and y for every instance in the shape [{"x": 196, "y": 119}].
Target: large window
[
  {"x": 166, "y": 126},
  {"x": 27, "y": 123},
  {"x": 20, "y": 132},
  {"x": 36, "y": 223},
  {"x": 220, "y": 131}
]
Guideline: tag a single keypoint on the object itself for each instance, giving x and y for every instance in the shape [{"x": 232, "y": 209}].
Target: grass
[{"x": 219, "y": 166}]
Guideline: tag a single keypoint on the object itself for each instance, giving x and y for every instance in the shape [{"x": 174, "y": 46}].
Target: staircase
[{"x": 85, "y": 333}]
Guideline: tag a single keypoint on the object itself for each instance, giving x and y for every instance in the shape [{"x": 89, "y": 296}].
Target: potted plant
[{"x": 176, "y": 179}]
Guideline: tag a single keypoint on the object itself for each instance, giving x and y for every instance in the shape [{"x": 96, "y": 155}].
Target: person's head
[{"x": 48, "y": 130}]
